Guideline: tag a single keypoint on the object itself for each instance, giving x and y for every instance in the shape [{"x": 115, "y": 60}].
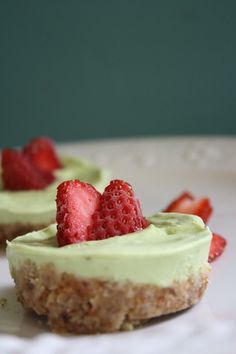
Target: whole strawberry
[{"x": 119, "y": 212}]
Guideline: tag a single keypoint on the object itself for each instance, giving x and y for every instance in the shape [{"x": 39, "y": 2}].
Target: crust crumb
[
  {"x": 85, "y": 306},
  {"x": 3, "y": 302}
]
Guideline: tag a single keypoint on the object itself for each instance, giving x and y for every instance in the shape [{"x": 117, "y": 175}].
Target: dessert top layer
[
  {"x": 173, "y": 248},
  {"x": 38, "y": 206}
]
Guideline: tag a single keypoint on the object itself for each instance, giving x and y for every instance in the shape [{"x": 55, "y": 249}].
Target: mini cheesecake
[
  {"x": 29, "y": 210},
  {"x": 116, "y": 283}
]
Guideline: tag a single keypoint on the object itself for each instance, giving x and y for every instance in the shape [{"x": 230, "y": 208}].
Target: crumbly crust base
[
  {"x": 11, "y": 231},
  {"x": 83, "y": 306}
]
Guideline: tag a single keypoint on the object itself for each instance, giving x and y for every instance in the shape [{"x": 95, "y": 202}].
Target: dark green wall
[{"x": 92, "y": 69}]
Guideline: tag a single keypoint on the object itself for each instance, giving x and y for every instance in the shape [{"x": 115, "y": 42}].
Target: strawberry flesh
[
  {"x": 42, "y": 153},
  {"x": 18, "y": 173},
  {"x": 76, "y": 203},
  {"x": 119, "y": 212},
  {"x": 186, "y": 203},
  {"x": 218, "y": 244}
]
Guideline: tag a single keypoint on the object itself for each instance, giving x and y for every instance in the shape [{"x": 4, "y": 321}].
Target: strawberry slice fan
[
  {"x": 186, "y": 203},
  {"x": 83, "y": 214}
]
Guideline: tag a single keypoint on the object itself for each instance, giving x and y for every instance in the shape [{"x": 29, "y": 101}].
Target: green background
[{"x": 92, "y": 69}]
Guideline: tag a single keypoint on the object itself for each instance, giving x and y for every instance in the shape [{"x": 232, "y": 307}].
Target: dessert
[
  {"x": 28, "y": 185},
  {"x": 104, "y": 267}
]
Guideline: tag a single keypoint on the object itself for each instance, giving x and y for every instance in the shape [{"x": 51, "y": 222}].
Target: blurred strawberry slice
[
  {"x": 186, "y": 203},
  {"x": 41, "y": 151},
  {"x": 218, "y": 244},
  {"x": 18, "y": 173}
]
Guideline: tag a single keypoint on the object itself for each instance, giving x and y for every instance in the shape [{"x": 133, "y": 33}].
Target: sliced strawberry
[
  {"x": 187, "y": 204},
  {"x": 218, "y": 244},
  {"x": 18, "y": 173},
  {"x": 184, "y": 199},
  {"x": 42, "y": 153},
  {"x": 119, "y": 212},
  {"x": 76, "y": 203}
]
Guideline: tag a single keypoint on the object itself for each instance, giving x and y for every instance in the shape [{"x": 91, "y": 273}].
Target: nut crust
[{"x": 83, "y": 306}]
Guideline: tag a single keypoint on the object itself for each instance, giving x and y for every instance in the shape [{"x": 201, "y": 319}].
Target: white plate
[{"x": 159, "y": 169}]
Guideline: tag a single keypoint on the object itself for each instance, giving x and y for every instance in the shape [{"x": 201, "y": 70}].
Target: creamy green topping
[
  {"x": 173, "y": 248},
  {"x": 39, "y": 206}
]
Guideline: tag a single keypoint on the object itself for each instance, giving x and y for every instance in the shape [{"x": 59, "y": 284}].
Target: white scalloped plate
[{"x": 159, "y": 169}]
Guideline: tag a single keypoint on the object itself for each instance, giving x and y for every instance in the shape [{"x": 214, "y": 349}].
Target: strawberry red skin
[
  {"x": 187, "y": 204},
  {"x": 218, "y": 244},
  {"x": 18, "y": 173},
  {"x": 76, "y": 203},
  {"x": 42, "y": 153},
  {"x": 176, "y": 203},
  {"x": 119, "y": 212}
]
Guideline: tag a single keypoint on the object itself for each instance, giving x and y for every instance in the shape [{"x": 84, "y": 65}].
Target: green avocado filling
[
  {"x": 172, "y": 248},
  {"x": 38, "y": 207}
]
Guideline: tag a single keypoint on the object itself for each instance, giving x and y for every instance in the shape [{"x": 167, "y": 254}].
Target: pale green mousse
[
  {"x": 38, "y": 207},
  {"x": 172, "y": 248}
]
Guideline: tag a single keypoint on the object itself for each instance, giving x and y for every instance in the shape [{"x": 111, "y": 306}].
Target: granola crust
[
  {"x": 11, "y": 231},
  {"x": 83, "y": 306}
]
